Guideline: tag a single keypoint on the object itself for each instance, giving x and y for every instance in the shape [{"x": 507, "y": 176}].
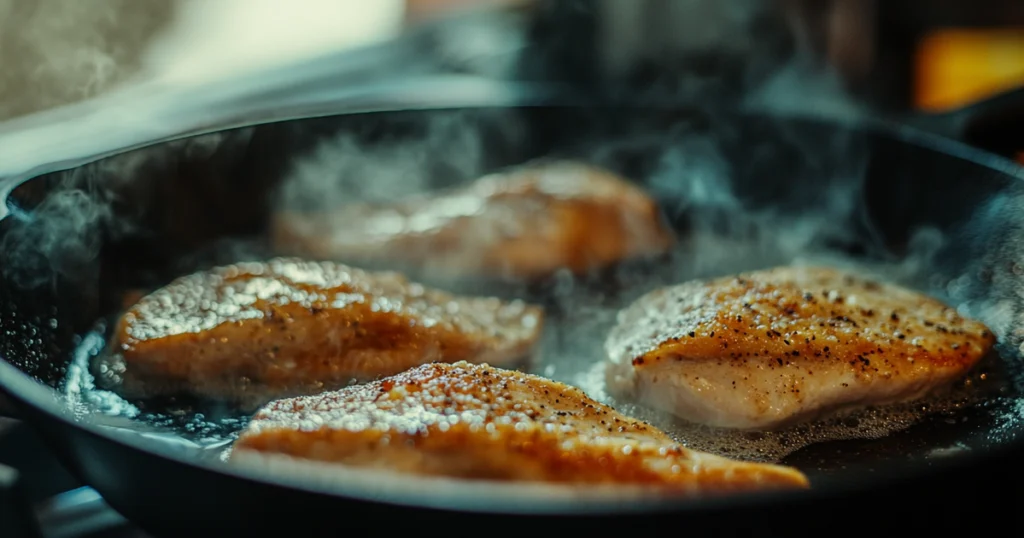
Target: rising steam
[
  {"x": 693, "y": 171},
  {"x": 56, "y": 52},
  {"x": 693, "y": 174},
  {"x": 347, "y": 168}
]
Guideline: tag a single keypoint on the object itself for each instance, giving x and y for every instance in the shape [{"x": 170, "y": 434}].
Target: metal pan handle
[{"x": 995, "y": 124}]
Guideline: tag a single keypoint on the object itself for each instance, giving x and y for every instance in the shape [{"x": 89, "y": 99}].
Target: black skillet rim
[{"x": 28, "y": 392}]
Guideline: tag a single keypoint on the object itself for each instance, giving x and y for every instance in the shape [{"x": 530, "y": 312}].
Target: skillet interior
[{"x": 143, "y": 218}]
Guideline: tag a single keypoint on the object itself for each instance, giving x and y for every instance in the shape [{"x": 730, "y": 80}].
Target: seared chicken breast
[
  {"x": 478, "y": 422},
  {"x": 523, "y": 224},
  {"x": 765, "y": 349},
  {"x": 253, "y": 332}
]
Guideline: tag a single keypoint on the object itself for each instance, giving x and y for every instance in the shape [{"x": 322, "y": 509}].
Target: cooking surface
[
  {"x": 747, "y": 174},
  {"x": 267, "y": 143}
]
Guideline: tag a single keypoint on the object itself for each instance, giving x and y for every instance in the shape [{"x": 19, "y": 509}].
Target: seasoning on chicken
[
  {"x": 523, "y": 224},
  {"x": 477, "y": 422},
  {"x": 767, "y": 349},
  {"x": 253, "y": 332}
]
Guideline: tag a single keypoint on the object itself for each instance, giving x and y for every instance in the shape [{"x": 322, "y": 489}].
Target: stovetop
[{"x": 39, "y": 498}]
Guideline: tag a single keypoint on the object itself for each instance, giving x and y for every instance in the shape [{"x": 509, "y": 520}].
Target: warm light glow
[
  {"x": 957, "y": 67},
  {"x": 213, "y": 39}
]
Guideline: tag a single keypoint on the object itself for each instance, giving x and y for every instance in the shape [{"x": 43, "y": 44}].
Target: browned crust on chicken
[
  {"x": 255, "y": 331},
  {"x": 523, "y": 224},
  {"x": 482, "y": 423},
  {"x": 768, "y": 348}
]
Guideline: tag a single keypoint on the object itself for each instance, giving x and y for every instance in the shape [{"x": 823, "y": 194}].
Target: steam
[
  {"x": 737, "y": 218},
  {"x": 56, "y": 52},
  {"x": 693, "y": 172},
  {"x": 348, "y": 168},
  {"x": 89, "y": 47},
  {"x": 69, "y": 241},
  {"x": 743, "y": 209},
  {"x": 799, "y": 88},
  {"x": 62, "y": 236},
  {"x": 989, "y": 285}
]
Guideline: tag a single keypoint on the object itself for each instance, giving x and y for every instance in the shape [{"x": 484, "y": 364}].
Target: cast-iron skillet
[{"x": 931, "y": 211}]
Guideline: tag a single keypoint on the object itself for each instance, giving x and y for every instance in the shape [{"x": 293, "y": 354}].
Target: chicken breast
[
  {"x": 524, "y": 224},
  {"x": 478, "y": 422},
  {"x": 256, "y": 331},
  {"x": 766, "y": 349}
]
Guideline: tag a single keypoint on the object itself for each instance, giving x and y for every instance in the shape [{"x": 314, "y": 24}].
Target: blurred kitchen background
[
  {"x": 56, "y": 52},
  {"x": 913, "y": 54}
]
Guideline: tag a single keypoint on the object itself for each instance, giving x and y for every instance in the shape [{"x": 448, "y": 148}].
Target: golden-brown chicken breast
[
  {"x": 523, "y": 224},
  {"x": 765, "y": 349},
  {"x": 256, "y": 331},
  {"x": 483, "y": 423}
]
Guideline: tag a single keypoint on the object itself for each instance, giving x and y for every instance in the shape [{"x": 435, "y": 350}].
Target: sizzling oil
[
  {"x": 205, "y": 429},
  {"x": 775, "y": 446},
  {"x": 572, "y": 352}
]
